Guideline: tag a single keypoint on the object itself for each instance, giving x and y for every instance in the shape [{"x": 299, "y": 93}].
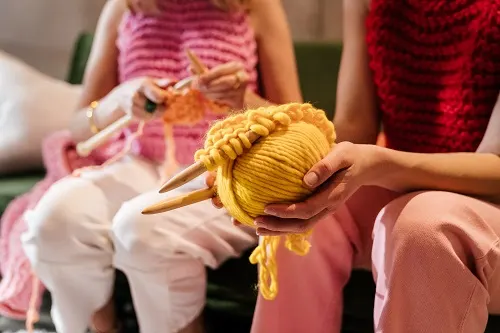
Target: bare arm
[
  {"x": 276, "y": 56},
  {"x": 101, "y": 72},
  {"x": 476, "y": 174},
  {"x": 356, "y": 115}
]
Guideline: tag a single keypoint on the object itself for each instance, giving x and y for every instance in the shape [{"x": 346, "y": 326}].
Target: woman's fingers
[
  {"x": 210, "y": 179},
  {"x": 138, "y": 108},
  {"x": 288, "y": 226},
  {"x": 153, "y": 92},
  {"x": 230, "y": 68},
  {"x": 308, "y": 208},
  {"x": 217, "y": 202},
  {"x": 267, "y": 232},
  {"x": 227, "y": 83}
]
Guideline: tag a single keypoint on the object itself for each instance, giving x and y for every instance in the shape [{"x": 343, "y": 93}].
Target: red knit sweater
[{"x": 436, "y": 68}]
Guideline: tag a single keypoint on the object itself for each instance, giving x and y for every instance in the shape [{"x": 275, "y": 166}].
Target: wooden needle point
[
  {"x": 180, "y": 201},
  {"x": 184, "y": 177},
  {"x": 198, "y": 66},
  {"x": 195, "y": 170}
]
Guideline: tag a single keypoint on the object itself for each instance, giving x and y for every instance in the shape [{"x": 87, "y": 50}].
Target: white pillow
[{"x": 32, "y": 105}]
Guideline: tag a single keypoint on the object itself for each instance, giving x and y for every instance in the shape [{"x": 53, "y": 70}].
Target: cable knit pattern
[
  {"x": 148, "y": 46},
  {"x": 436, "y": 67},
  {"x": 155, "y": 46}
]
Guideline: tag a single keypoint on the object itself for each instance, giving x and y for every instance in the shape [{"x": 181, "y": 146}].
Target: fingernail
[
  {"x": 269, "y": 210},
  {"x": 257, "y": 221},
  {"x": 311, "y": 179}
]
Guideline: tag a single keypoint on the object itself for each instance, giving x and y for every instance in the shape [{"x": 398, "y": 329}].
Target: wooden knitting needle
[
  {"x": 196, "y": 64},
  {"x": 84, "y": 148},
  {"x": 180, "y": 201},
  {"x": 196, "y": 170},
  {"x": 182, "y": 178}
]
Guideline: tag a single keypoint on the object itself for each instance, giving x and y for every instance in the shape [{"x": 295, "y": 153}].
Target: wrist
[
  {"x": 252, "y": 101},
  {"x": 382, "y": 165},
  {"x": 393, "y": 169},
  {"x": 106, "y": 113}
]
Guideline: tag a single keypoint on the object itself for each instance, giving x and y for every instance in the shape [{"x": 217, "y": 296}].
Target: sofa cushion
[
  {"x": 13, "y": 186},
  {"x": 32, "y": 105}
]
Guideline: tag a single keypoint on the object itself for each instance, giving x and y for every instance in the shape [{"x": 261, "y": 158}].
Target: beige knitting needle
[
  {"x": 196, "y": 170},
  {"x": 180, "y": 201},
  {"x": 84, "y": 148},
  {"x": 196, "y": 64}
]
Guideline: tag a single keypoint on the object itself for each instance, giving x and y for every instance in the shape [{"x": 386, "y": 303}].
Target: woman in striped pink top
[{"x": 85, "y": 227}]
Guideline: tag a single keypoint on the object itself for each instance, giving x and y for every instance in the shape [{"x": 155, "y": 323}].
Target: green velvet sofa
[{"x": 231, "y": 289}]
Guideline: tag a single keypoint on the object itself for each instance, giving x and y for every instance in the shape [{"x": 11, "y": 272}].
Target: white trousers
[{"x": 85, "y": 227}]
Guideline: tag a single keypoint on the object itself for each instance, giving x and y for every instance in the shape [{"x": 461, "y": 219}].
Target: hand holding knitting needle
[
  {"x": 335, "y": 178},
  {"x": 184, "y": 177},
  {"x": 226, "y": 83},
  {"x": 138, "y": 98}
]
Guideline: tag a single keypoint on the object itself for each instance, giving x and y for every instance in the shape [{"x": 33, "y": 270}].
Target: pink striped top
[{"x": 155, "y": 46}]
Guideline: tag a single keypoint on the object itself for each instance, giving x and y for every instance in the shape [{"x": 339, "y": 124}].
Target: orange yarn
[{"x": 184, "y": 108}]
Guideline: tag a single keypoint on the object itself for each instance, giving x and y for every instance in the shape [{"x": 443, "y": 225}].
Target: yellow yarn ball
[
  {"x": 293, "y": 137},
  {"x": 271, "y": 171}
]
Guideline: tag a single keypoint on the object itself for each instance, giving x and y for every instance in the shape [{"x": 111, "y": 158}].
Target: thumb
[{"x": 324, "y": 169}]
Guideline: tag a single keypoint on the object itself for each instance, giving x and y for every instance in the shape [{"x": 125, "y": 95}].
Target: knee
[
  {"x": 420, "y": 225},
  {"x": 134, "y": 234},
  {"x": 55, "y": 224}
]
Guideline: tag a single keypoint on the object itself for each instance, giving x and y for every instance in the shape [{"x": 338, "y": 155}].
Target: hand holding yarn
[
  {"x": 261, "y": 157},
  {"x": 226, "y": 83},
  {"x": 210, "y": 181},
  {"x": 336, "y": 177},
  {"x": 293, "y": 138}
]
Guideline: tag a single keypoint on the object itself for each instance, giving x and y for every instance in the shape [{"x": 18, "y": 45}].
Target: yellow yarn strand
[{"x": 251, "y": 176}]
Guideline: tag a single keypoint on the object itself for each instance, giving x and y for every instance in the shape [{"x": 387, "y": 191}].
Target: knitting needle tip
[
  {"x": 184, "y": 177},
  {"x": 198, "y": 66},
  {"x": 180, "y": 201}
]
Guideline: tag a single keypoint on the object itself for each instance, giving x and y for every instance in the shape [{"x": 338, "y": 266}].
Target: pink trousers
[{"x": 435, "y": 258}]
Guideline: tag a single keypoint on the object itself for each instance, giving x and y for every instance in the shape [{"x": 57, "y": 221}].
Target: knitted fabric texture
[
  {"x": 436, "y": 70},
  {"x": 293, "y": 137},
  {"x": 154, "y": 46},
  {"x": 187, "y": 108}
]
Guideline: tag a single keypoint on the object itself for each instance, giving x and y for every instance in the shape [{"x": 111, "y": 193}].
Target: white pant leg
[
  {"x": 68, "y": 239},
  {"x": 164, "y": 257}
]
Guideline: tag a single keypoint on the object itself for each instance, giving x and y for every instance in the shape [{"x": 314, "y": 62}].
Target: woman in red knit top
[{"x": 421, "y": 212}]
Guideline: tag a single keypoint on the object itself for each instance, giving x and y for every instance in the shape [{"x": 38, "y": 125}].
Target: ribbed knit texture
[
  {"x": 436, "y": 67},
  {"x": 155, "y": 46}
]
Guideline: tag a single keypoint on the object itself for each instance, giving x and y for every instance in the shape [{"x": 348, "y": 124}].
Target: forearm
[
  {"x": 474, "y": 174},
  {"x": 103, "y": 116},
  {"x": 253, "y": 101},
  {"x": 360, "y": 132}
]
